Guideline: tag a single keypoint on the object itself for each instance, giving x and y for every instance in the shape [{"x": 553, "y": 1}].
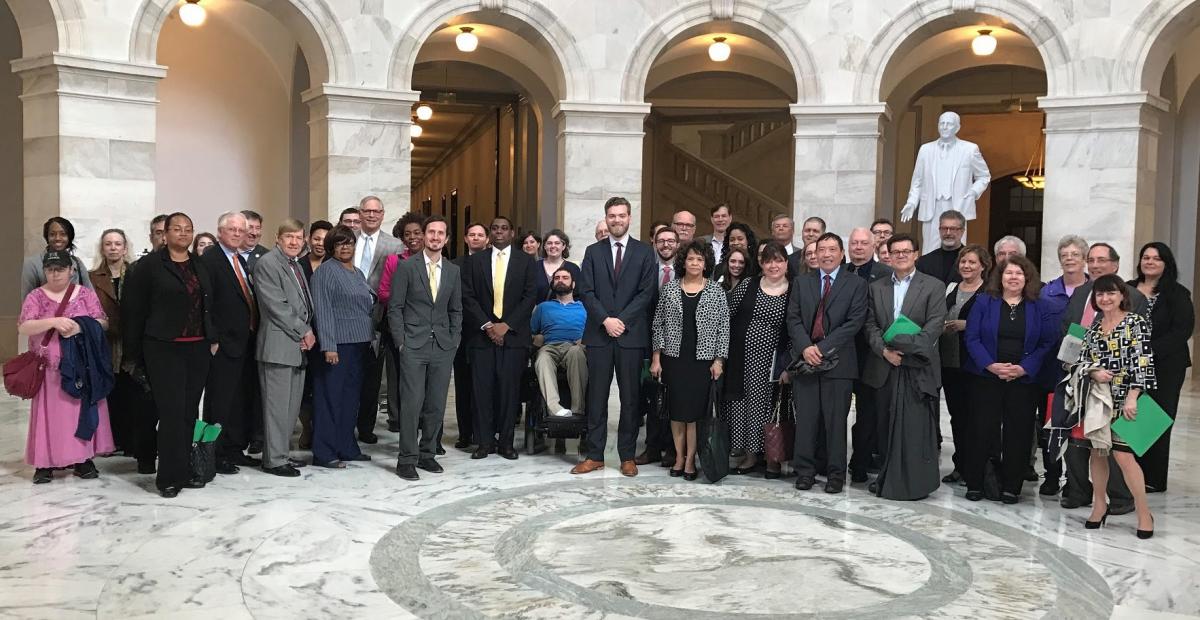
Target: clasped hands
[
  {"x": 1006, "y": 371},
  {"x": 495, "y": 332},
  {"x": 66, "y": 327},
  {"x": 614, "y": 326}
]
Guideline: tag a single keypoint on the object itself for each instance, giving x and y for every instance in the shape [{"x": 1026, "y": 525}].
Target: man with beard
[
  {"x": 659, "y": 443},
  {"x": 942, "y": 262},
  {"x": 557, "y": 327}
]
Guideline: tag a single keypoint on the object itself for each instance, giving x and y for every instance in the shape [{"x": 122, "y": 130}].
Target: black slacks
[
  {"x": 1154, "y": 461},
  {"x": 229, "y": 400},
  {"x": 177, "y": 373},
  {"x": 956, "y": 384},
  {"x": 368, "y": 401},
  {"x": 496, "y": 377},
  {"x": 464, "y": 396},
  {"x": 603, "y": 362},
  {"x": 865, "y": 434},
  {"x": 1002, "y": 414},
  {"x": 821, "y": 401}
]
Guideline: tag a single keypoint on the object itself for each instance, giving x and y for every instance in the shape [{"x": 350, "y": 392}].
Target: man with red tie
[{"x": 659, "y": 444}]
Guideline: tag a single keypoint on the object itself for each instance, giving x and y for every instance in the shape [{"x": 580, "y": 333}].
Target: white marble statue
[{"x": 950, "y": 174}]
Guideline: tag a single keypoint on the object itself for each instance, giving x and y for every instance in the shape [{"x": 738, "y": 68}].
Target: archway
[{"x": 12, "y": 243}]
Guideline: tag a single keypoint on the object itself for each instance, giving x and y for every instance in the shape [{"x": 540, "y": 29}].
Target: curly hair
[
  {"x": 412, "y": 217},
  {"x": 703, "y": 248},
  {"x": 751, "y": 239}
]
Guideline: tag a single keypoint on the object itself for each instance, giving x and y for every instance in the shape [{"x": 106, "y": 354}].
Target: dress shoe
[
  {"x": 628, "y": 468},
  {"x": 462, "y": 444},
  {"x": 690, "y": 476},
  {"x": 226, "y": 468},
  {"x": 1070, "y": 503},
  {"x": 256, "y": 447},
  {"x": 481, "y": 452},
  {"x": 647, "y": 458},
  {"x": 873, "y": 488},
  {"x": 368, "y": 438},
  {"x": 587, "y": 466},
  {"x": 285, "y": 471},
  {"x": 1095, "y": 525},
  {"x": 1049, "y": 487},
  {"x": 1144, "y": 534},
  {"x": 858, "y": 477},
  {"x": 42, "y": 475},
  {"x": 1031, "y": 474},
  {"x": 1153, "y": 489},
  {"x": 393, "y": 426},
  {"x": 952, "y": 477},
  {"x": 1123, "y": 509},
  {"x": 804, "y": 483},
  {"x": 87, "y": 470},
  {"x": 146, "y": 467},
  {"x": 248, "y": 461},
  {"x": 772, "y": 475},
  {"x": 974, "y": 496},
  {"x": 1009, "y": 498},
  {"x": 508, "y": 452},
  {"x": 330, "y": 464},
  {"x": 194, "y": 483},
  {"x": 297, "y": 463},
  {"x": 169, "y": 492},
  {"x": 668, "y": 459},
  {"x": 834, "y": 485},
  {"x": 675, "y": 473},
  {"x": 430, "y": 466},
  {"x": 360, "y": 457},
  {"x": 407, "y": 472},
  {"x": 440, "y": 451}
]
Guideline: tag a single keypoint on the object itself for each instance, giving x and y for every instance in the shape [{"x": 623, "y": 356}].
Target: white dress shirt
[
  {"x": 899, "y": 290},
  {"x": 361, "y": 245},
  {"x": 612, "y": 245}
]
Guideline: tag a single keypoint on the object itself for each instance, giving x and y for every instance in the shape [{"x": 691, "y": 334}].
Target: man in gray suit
[
  {"x": 425, "y": 318},
  {"x": 284, "y": 337},
  {"x": 373, "y": 247},
  {"x": 827, "y": 308}
]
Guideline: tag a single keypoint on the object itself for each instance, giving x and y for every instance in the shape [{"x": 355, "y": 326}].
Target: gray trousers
[
  {"x": 282, "y": 390},
  {"x": 425, "y": 380},
  {"x": 549, "y": 359}
]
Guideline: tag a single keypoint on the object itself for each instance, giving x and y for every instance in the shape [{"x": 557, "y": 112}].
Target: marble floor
[{"x": 525, "y": 539}]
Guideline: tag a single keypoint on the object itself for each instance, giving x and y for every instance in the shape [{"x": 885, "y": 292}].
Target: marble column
[
  {"x": 88, "y": 142},
  {"x": 359, "y": 146},
  {"x": 837, "y": 163},
  {"x": 600, "y": 156},
  {"x": 1101, "y": 154}
]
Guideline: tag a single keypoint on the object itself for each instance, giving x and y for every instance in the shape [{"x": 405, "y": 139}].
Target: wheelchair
[{"x": 539, "y": 424}]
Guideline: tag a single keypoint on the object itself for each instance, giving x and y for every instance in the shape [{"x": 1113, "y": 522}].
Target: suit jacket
[
  {"x": 845, "y": 313},
  {"x": 386, "y": 246},
  {"x": 414, "y": 316},
  {"x": 155, "y": 302},
  {"x": 873, "y": 270},
  {"x": 924, "y": 303},
  {"x": 478, "y": 297},
  {"x": 626, "y": 296},
  {"x": 256, "y": 253},
  {"x": 983, "y": 333},
  {"x": 1171, "y": 324},
  {"x": 1082, "y": 296},
  {"x": 231, "y": 312},
  {"x": 286, "y": 314},
  {"x": 970, "y": 179}
]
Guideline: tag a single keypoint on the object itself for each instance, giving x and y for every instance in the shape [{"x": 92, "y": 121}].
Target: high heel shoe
[
  {"x": 1144, "y": 534},
  {"x": 690, "y": 476},
  {"x": 1095, "y": 525},
  {"x": 675, "y": 473}
]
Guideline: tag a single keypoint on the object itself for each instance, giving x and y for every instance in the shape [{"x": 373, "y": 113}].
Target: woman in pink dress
[{"x": 53, "y": 415}]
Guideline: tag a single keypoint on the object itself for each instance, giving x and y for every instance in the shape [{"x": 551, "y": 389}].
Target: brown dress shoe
[
  {"x": 628, "y": 468},
  {"x": 645, "y": 458},
  {"x": 587, "y": 466}
]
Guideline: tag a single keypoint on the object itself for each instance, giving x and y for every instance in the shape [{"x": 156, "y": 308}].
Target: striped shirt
[{"x": 342, "y": 303}]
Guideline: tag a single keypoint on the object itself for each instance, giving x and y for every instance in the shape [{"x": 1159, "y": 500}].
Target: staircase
[
  {"x": 695, "y": 181},
  {"x": 745, "y": 133}
]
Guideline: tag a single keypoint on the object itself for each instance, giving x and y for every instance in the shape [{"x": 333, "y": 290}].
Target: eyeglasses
[
  {"x": 950, "y": 228},
  {"x": 370, "y": 211},
  {"x": 666, "y": 242},
  {"x": 1098, "y": 259},
  {"x": 682, "y": 225},
  {"x": 901, "y": 253},
  {"x": 1066, "y": 255}
]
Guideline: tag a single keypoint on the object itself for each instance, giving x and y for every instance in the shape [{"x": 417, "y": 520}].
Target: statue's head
[{"x": 948, "y": 125}]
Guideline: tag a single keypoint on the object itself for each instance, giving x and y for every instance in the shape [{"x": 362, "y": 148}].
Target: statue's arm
[
  {"x": 914, "y": 189},
  {"x": 980, "y": 173}
]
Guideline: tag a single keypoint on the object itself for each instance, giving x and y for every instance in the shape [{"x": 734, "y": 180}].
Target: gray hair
[
  {"x": 1079, "y": 242},
  {"x": 1009, "y": 239},
  {"x": 951, "y": 214},
  {"x": 228, "y": 215}
]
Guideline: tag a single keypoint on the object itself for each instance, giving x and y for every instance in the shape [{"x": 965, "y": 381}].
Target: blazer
[
  {"x": 1171, "y": 324},
  {"x": 257, "y": 252},
  {"x": 478, "y": 297},
  {"x": 386, "y": 246},
  {"x": 155, "y": 303},
  {"x": 102, "y": 284},
  {"x": 286, "y": 314},
  {"x": 970, "y": 179},
  {"x": 845, "y": 313},
  {"x": 1082, "y": 296},
  {"x": 414, "y": 316},
  {"x": 712, "y": 321},
  {"x": 231, "y": 312},
  {"x": 924, "y": 303},
  {"x": 982, "y": 334},
  {"x": 541, "y": 283},
  {"x": 626, "y": 296},
  {"x": 873, "y": 270}
]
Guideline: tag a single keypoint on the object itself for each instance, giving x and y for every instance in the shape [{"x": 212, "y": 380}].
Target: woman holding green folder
[{"x": 1118, "y": 351}]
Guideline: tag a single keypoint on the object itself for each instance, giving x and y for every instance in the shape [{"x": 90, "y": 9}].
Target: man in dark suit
[
  {"x": 476, "y": 239},
  {"x": 864, "y": 436},
  {"x": 498, "y": 298},
  {"x": 616, "y": 285},
  {"x": 825, "y": 311},
  {"x": 370, "y": 253},
  {"x": 251, "y": 251},
  {"x": 425, "y": 318},
  {"x": 232, "y": 375},
  {"x": 659, "y": 445}
]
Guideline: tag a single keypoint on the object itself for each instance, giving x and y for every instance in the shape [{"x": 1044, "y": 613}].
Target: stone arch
[
  {"x": 912, "y": 24},
  {"x": 315, "y": 27},
  {"x": 752, "y": 14},
  {"x": 49, "y": 26},
  {"x": 1152, "y": 37},
  {"x": 572, "y": 81}
]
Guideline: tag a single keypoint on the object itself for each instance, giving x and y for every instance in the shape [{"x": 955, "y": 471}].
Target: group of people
[{"x": 330, "y": 311}]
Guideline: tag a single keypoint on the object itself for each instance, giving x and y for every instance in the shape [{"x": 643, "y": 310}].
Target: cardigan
[{"x": 712, "y": 321}]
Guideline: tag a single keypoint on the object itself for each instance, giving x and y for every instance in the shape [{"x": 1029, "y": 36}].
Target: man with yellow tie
[{"x": 498, "y": 299}]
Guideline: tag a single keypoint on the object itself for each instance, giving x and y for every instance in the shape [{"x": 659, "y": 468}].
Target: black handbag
[
  {"x": 714, "y": 441},
  {"x": 661, "y": 404}
]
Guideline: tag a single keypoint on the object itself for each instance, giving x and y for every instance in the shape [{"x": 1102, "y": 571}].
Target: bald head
[{"x": 862, "y": 245}]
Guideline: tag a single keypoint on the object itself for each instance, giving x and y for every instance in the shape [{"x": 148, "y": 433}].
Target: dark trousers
[
  {"x": 496, "y": 376},
  {"x": 1002, "y": 414},
  {"x": 177, "y": 372},
  {"x": 122, "y": 411},
  {"x": 336, "y": 390},
  {"x": 228, "y": 401},
  {"x": 1079, "y": 483},
  {"x": 1154, "y": 461},
  {"x": 603, "y": 362},
  {"x": 956, "y": 384},
  {"x": 865, "y": 434},
  {"x": 658, "y": 429},
  {"x": 818, "y": 400},
  {"x": 464, "y": 396},
  {"x": 145, "y": 425},
  {"x": 368, "y": 398},
  {"x": 426, "y": 374}
]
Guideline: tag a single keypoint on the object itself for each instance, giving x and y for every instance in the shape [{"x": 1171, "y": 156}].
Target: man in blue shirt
[{"x": 557, "y": 326}]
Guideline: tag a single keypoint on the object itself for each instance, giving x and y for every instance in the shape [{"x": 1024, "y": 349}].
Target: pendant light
[
  {"x": 424, "y": 112},
  {"x": 191, "y": 13},
  {"x": 984, "y": 43},
  {"x": 466, "y": 40},
  {"x": 719, "y": 50}
]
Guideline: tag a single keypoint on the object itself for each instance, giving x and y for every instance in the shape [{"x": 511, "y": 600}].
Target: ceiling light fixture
[
  {"x": 719, "y": 50},
  {"x": 416, "y": 131},
  {"x": 424, "y": 112},
  {"x": 466, "y": 41},
  {"x": 191, "y": 13},
  {"x": 984, "y": 43}
]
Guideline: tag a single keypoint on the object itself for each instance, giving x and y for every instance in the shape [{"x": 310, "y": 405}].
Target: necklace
[
  {"x": 696, "y": 294},
  {"x": 1012, "y": 310}
]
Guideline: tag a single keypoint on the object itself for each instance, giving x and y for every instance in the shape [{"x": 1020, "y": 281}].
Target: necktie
[
  {"x": 617, "y": 262},
  {"x": 818, "y": 330},
  {"x": 241, "y": 278},
  {"x": 666, "y": 276},
  {"x": 498, "y": 284},
  {"x": 433, "y": 283},
  {"x": 303, "y": 285},
  {"x": 364, "y": 262},
  {"x": 1089, "y": 313}
]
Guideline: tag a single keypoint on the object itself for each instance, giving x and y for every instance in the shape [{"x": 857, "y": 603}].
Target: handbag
[
  {"x": 661, "y": 406},
  {"x": 23, "y": 374},
  {"x": 714, "y": 447},
  {"x": 779, "y": 433}
]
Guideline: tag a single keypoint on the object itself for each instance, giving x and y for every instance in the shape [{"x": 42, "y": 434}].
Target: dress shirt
[
  {"x": 359, "y": 247},
  {"x": 612, "y": 245},
  {"x": 717, "y": 246},
  {"x": 899, "y": 290},
  {"x": 832, "y": 275},
  {"x": 790, "y": 249},
  {"x": 658, "y": 274},
  {"x": 497, "y": 253},
  {"x": 437, "y": 268}
]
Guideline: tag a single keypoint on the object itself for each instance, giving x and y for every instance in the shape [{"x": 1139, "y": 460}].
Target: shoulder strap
[{"x": 62, "y": 307}]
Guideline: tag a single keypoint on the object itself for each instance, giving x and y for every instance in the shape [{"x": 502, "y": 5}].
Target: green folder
[
  {"x": 1142, "y": 432},
  {"x": 198, "y": 430},
  {"x": 1077, "y": 331},
  {"x": 211, "y": 433},
  {"x": 902, "y": 325}
]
